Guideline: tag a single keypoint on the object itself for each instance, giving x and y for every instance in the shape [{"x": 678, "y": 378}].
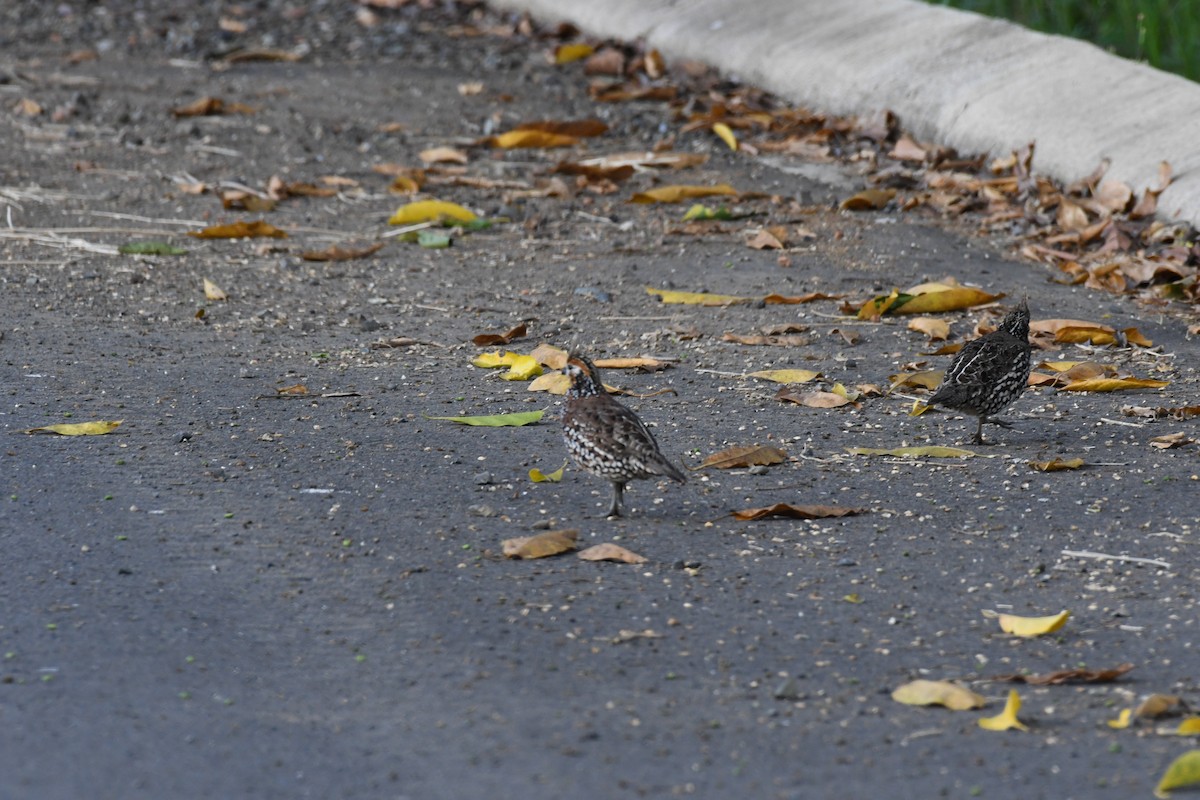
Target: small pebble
[
  {"x": 758, "y": 469},
  {"x": 847, "y": 562},
  {"x": 594, "y": 292},
  {"x": 481, "y": 510},
  {"x": 483, "y": 478}
]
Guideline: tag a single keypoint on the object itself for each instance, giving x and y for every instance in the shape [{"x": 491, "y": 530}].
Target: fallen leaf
[
  {"x": 28, "y": 107},
  {"x": 552, "y": 382},
  {"x": 1123, "y": 720},
  {"x": 606, "y": 61},
  {"x": 240, "y": 230},
  {"x": 725, "y": 133},
  {"x": 550, "y": 543},
  {"x": 743, "y": 456},
  {"x": 814, "y": 399},
  {"x": 1006, "y": 719},
  {"x": 607, "y": 551},
  {"x": 443, "y": 155},
  {"x": 925, "y": 451},
  {"x": 98, "y": 428},
  {"x": 594, "y": 173},
  {"x": 671, "y": 297},
  {"x": 1062, "y": 676},
  {"x": 1029, "y": 627},
  {"x": 566, "y": 53},
  {"x": 210, "y": 106},
  {"x": 1189, "y": 726},
  {"x": 1169, "y": 440},
  {"x": 1112, "y": 384},
  {"x": 1159, "y": 705},
  {"x": 634, "y": 362},
  {"x": 868, "y": 200},
  {"x": 786, "y": 375},
  {"x": 214, "y": 292},
  {"x": 151, "y": 249},
  {"x": 925, "y": 379},
  {"x": 537, "y": 476},
  {"x": 524, "y": 139},
  {"x": 339, "y": 253},
  {"x": 796, "y": 512},
  {"x": 1179, "y": 412},
  {"x": 1056, "y": 464},
  {"x": 520, "y": 367},
  {"x": 553, "y": 357},
  {"x": 497, "y": 420},
  {"x": 247, "y": 201},
  {"x": 755, "y": 339},
  {"x": 936, "y": 329},
  {"x": 938, "y": 693},
  {"x": 765, "y": 240},
  {"x": 261, "y": 54},
  {"x": 581, "y": 128},
  {"x": 788, "y": 300},
  {"x": 430, "y": 211},
  {"x": 953, "y": 299},
  {"x": 493, "y": 339},
  {"x": 907, "y": 149},
  {"x": 295, "y": 390},
  {"x": 644, "y": 160},
  {"x": 1183, "y": 771},
  {"x": 676, "y": 193}
]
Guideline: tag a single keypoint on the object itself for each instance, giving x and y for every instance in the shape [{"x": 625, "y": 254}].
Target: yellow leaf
[
  {"x": 926, "y": 379},
  {"x": 1122, "y": 721},
  {"x": 1056, "y": 464},
  {"x": 670, "y": 297},
  {"x": 868, "y": 200},
  {"x": 1112, "y": 384},
  {"x": 549, "y": 355},
  {"x": 97, "y": 428},
  {"x": 214, "y": 292},
  {"x": 240, "y": 230},
  {"x": 852, "y": 598},
  {"x": 935, "y": 329},
  {"x": 918, "y": 408},
  {"x": 938, "y": 693},
  {"x": 675, "y": 193},
  {"x": 514, "y": 420},
  {"x": 520, "y": 367},
  {"x": 786, "y": 375},
  {"x": 514, "y": 140},
  {"x": 954, "y": 299},
  {"x": 1007, "y": 719},
  {"x": 873, "y": 309},
  {"x": 926, "y": 451},
  {"x": 566, "y": 53},
  {"x": 551, "y": 382},
  {"x": 1029, "y": 627},
  {"x": 722, "y": 130},
  {"x": 1189, "y": 726},
  {"x": 817, "y": 399},
  {"x": 550, "y": 543},
  {"x": 607, "y": 551},
  {"x": 537, "y": 476},
  {"x": 429, "y": 211},
  {"x": 1183, "y": 771}
]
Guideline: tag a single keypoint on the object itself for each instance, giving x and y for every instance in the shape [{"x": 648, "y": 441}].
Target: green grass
[{"x": 1162, "y": 33}]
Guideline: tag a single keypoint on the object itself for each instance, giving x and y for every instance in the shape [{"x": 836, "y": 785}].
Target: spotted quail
[
  {"x": 989, "y": 372},
  {"x": 607, "y": 439}
]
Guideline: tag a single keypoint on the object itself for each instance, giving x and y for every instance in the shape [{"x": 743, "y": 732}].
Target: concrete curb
[{"x": 977, "y": 84}]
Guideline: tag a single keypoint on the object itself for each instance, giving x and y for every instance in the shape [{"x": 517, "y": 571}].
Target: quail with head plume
[
  {"x": 607, "y": 439},
  {"x": 989, "y": 373}
]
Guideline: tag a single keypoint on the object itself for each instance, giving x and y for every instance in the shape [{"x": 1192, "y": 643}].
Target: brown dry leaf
[
  {"x": 1179, "y": 412},
  {"x": 27, "y": 107},
  {"x": 550, "y": 356},
  {"x": 936, "y": 329},
  {"x": 550, "y": 543},
  {"x": 938, "y": 693},
  {"x": 1056, "y": 464},
  {"x": 214, "y": 292},
  {"x": 765, "y": 340},
  {"x": 850, "y": 337},
  {"x": 210, "y": 106},
  {"x": 676, "y": 193},
  {"x": 1071, "y": 216},
  {"x": 301, "y": 189},
  {"x": 339, "y": 253},
  {"x": 633, "y": 362},
  {"x": 1062, "y": 676},
  {"x": 654, "y": 65},
  {"x": 815, "y": 399},
  {"x": 595, "y": 174},
  {"x": 1148, "y": 205},
  {"x": 868, "y": 200},
  {"x": 786, "y": 375},
  {"x": 1114, "y": 196},
  {"x": 788, "y": 300},
  {"x": 608, "y": 61},
  {"x": 295, "y": 390},
  {"x": 247, "y": 201},
  {"x": 607, "y": 551},
  {"x": 1160, "y": 705},
  {"x": 923, "y": 451},
  {"x": 644, "y": 160},
  {"x": 493, "y": 339},
  {"x": 261, "y": 54},
  {"x": 1167, "y": 441},
  {"x": 907, "y": 149},
  {"x": 796, "y": 512},
  {"x": 632, "y": 91},
  {"x": 1112, "y": 384},
  {"x": 240, "y": 230},
  {"x": 443, "y": 155},
  {"x": 580, "y": 128},
  {"x": 765, "y": 240},
  {"x": 743, "y": 456}
]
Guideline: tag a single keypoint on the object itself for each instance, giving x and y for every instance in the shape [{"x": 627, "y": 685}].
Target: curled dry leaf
[
  {"x": 925, "y": 379},
  {"x": 537, "y": 476},
  {"x": 1062, "y": 676},
  {"x": 936, "y": 329},
  {"x": 240, "y": 230},
  {"x": 676, "y": 193},
  {"x": 1189, "y": 726},
  {"x": 97, "y": 428},
  {"x": 214, "y": 292},
  {"x": 443, "y": 155},
  {"x": 1056, "y": 464},
  {"x": 796, "y": 512},
  {"x": 493, "y": 339},
  {"x": 430, "y": 211},
  {"x": 1179, "y": 412},
  {"x": 726, "y": 135},
  {"x": 607, "y": 551},
  {"x": 765, "y": 239},
  {"x": 1123, "y": 720},
  {"x": 868, "y": 200},
  {"x": 339, "y": 253},
  {"x": 1167, "y": 441},
  {"x": 1160, "y": 705},
  {"x": 938, "y": 693},
  {"x": 295, "y": 390},
  {"x": 925, "y": 451},
  {"x": 1029, "y": 627},
  {"x": 1006, "y": 719},
  {"x": 813, "y": 399},
  {"x": 1113, "y": 384},
  {"x": 743, "y": 456},
  {"x": 669, "y": 297},
  {"x": 790, "y": 376},
  {"x": 550, "y": 543}
]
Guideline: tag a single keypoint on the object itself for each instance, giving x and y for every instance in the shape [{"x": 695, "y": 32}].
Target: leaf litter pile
[{"x": 598, "y": 184}]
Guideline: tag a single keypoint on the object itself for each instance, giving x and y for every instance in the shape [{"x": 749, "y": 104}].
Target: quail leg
[{"x": 615, "y": 509}]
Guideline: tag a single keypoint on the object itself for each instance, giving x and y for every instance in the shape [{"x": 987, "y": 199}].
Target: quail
[
  {"x": 607, "y": 439},
  {"x": 989, "y": 373}
]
